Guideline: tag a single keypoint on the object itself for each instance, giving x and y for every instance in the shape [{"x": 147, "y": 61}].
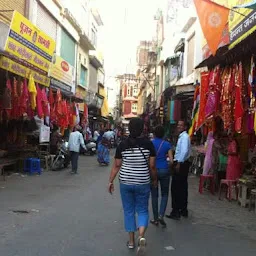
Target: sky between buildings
[{"x": 126, "y": 22}]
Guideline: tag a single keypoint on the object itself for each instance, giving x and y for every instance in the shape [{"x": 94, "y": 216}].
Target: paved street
[{"x": 73, "y": 215}]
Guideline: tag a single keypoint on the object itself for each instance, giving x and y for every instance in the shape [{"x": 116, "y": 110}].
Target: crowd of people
[{"x": 144, "y": 165}]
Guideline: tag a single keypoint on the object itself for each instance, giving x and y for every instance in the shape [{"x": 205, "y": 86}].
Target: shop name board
[
  {"x": 243, "y": 29},
  {"x": 62, "y": 71},
  {"x": 20, "y": 70},
  {"x": 30, "y": 44}
]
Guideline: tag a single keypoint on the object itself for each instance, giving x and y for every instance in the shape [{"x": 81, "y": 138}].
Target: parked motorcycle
[
  {"x": 90, "y": 148},
  {"x": 62, "y": 158}
]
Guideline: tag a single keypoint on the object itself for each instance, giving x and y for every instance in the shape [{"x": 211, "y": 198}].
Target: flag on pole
[{"x": 213, "y": 19}]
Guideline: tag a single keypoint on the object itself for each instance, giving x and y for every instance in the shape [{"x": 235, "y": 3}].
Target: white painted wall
[
  {"x": 56, "y": 12},
  {"x": 198, "y": 54}
]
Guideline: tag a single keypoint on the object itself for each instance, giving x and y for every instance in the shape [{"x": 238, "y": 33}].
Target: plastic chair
[
  {"x": 229, "y": 184},
  {"x": 203, "y": 178},
  {"x": 32, "y": 165}
]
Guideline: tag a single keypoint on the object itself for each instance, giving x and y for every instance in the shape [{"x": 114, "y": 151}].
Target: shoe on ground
[
  {"x": 184, "y": 213},
  {"x": 162, "y": 222},
  {"x": 141, "y": 246},
  {"x": 173, "y": 216}
]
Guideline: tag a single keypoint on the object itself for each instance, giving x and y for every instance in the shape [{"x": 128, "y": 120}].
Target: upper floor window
[
  {"x": 135, "y": 92},
  {"x": 128, "y": 92},
  {"x": 134, "y": 107},
  {"x": 94, "y": 36},
  {"x": 83, "y": 76}
]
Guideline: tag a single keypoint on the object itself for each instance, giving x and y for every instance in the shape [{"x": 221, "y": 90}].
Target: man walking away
[
  {"x": 75, "y": 141},
  {"x": 179, "y": 186}
]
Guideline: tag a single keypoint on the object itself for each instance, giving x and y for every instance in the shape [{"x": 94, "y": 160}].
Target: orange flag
[{"x": 213, "y": 19}]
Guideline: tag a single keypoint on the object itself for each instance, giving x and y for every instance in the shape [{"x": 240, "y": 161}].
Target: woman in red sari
[{"x": 234, "y": 167}]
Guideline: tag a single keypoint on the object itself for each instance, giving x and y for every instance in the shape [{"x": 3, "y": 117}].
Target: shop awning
[
  {"x": 173, "y": 57},
  {"x": 180, "y": 46}
]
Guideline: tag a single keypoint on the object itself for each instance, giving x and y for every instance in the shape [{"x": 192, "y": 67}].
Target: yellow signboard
[
  {"x": 241, "y": 23},
  {"x": 30, "y": 44},
  {"x": 18, "y": 69},
  {"x": 62, "y": 71}
]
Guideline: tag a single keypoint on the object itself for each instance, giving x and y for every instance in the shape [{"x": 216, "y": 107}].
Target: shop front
[
  {"x": 25, "y": 58},
  {"x": 226, "y": 112}
]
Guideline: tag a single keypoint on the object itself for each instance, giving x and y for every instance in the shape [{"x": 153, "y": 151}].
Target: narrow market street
[{"x": 74, "y": 215}]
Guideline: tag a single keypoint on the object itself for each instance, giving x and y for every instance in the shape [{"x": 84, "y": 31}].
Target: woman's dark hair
[
  {"x": 136, "y": 127},
  {"x": 159, "y": 131}
]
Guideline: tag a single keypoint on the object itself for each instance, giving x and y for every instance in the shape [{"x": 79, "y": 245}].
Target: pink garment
[
  {"x": 234, "y": 167},
  {"x": 208, "y": 156}
]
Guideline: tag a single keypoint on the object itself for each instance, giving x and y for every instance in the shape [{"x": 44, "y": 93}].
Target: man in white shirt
[
  {"x": 179, "y": 185},
  {"x": 75, "y": 141}
]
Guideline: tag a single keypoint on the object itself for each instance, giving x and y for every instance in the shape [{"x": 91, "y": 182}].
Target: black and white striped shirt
[{"x": 134, "y": 169}]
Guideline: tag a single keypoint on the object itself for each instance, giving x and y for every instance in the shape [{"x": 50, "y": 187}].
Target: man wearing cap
[{"x": 75, "y": 141}]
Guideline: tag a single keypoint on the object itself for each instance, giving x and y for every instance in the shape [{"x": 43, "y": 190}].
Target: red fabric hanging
[
  {"x": 24, "y": 98},
  {"x": 45, "y": 103},
  {"x": 177, "y": 110},
  {"x": 39, "y": 99},
  {"x": 239, "y": 111},
  {"x": 51, "y": 97},
  {"x": 58, "y": 103},
  {"x": 15, "y": 101},
  {"x": 203, "y": 99}
]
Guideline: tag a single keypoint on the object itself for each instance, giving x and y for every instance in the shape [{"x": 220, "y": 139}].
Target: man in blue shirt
[{"x": 180, "y": 178}]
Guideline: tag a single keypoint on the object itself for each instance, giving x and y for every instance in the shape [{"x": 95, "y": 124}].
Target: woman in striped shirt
[{"x": 135, "y": 159}]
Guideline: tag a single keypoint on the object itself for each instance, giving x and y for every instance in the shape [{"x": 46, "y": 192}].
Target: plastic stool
[
  {"x": 32, "y": 165},
  {"x": 229, "y": 184},
  {"x": 203, "y": 178}
]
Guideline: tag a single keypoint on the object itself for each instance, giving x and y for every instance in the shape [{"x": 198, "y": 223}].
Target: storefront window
[{"x": 68, "y": 48}]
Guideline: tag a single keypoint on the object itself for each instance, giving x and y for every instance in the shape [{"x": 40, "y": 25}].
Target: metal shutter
[{"x": 46, "y": 22}]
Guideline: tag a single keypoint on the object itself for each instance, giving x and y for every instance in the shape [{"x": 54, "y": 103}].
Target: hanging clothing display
[
  {"x": 32, "y": 91},
  {"x": 203, "y": 100}
]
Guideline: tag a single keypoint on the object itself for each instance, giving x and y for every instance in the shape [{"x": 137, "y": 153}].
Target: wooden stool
[
  {"x": 229, "y": 184},
  {"x": 252, "y": 199}
]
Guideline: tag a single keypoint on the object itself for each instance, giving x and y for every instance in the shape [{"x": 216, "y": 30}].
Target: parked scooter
[
  {"x": 90, "y": 148},
  {"x": 62, "y": 158}
]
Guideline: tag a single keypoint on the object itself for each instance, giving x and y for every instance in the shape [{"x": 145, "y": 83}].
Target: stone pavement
[
  {"x": 207, "y": 209},
  {"x": 74, "y": 215}
]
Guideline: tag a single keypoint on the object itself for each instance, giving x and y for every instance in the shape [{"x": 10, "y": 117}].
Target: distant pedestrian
[
  {"x": 135, "y": 158},
  {"x": 103, "y": 151},
  {"x": 163, "y": 150},
  {"x": 75, "y": 142},
  {"x": 179, "y": 187}
]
